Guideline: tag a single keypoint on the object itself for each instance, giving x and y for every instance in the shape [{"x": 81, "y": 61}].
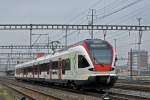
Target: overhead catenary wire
[
  {"x": 114, "y": 36},
  {"x": 127, "y": 17},
  {"x": 91, "y": 6},
  {"x": 118, "y": 10},
  {"x": 84, "y": 12},
  {"x": 129, "y": 5},
  {"x": 81, "y": 14},
  {"x": 83, "y": 17}
]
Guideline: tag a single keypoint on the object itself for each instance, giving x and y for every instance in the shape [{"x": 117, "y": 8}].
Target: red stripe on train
[{"x": 102, "y": 68}]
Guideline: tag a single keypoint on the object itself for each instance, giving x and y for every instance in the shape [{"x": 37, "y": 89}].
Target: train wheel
[
  {"x": 69, "y": 84},
  {"x": 74, "y": 86},
  {"x": 100, "y": 91}
]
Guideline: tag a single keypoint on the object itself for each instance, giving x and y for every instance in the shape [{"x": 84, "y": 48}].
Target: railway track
[
  {"x": 132, "y": 90},
  {"x": 29, "y": 93},
  {"x": 136, "y": 87},
  {"x": 121, "y": 92},
  {"x": 56, "y": 93},
  {"x": 142, "y": 82}
]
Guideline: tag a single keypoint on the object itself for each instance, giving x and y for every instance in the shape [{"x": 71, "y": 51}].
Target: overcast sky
[
  {"x": 75, "y": 12},
  {"x": 41, "y": 11}
]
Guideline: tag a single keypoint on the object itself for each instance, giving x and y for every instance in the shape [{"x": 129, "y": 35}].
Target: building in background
[{"x": 137, "y": 61}]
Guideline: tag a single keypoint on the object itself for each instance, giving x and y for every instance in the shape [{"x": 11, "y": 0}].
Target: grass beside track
[{"x": 5, "y": 94}]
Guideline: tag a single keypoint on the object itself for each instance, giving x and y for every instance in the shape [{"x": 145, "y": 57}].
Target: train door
[
  {"x": 59, "y": 69},
  {"x": 54, "y": 70},
  {"x": 33, "y": 71},
  {"x": 38, "y": 70},
  {"x": 26, "y": 72},
  {"x": 74, "y": 64},
  {"x": 83, "y": 65},
  {"x": 50, "y": 70}
]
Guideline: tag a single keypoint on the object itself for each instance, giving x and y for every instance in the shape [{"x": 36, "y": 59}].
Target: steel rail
[
  {"x": 114, "y": 94},
  {"x": 60, "y": 93},
  {"x": 28, "y": 92}
]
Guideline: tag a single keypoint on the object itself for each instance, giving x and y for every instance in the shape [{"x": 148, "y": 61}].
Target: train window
[
  {"x": 39, "y": 69},
  {"x": 21, "y": 71},
  {"x": 24, "y": 71},
  {"x": 29, "y": 69},
  {"x": 47, "y": 67},
  {"x": 82, "y": 62},
  {"x": 44, "y": 67},
  {"x": 17, "y": 71},
  {"x": 55, "y": 65},
  {"x": 66, "y": 64},
  {"x": 35, "y": 70},
  {"x": 40, "y": 72},
  {"x": 63, "y": 66}
]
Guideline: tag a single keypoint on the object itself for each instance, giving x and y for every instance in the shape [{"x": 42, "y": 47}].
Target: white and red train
[{"x": 89, "y": 63}]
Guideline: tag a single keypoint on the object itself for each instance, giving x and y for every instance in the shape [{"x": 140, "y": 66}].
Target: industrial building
[{"x": 137, "y": 61}]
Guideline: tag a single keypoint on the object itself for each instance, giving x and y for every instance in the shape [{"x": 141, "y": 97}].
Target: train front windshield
[{"x": 101, "y": 53}]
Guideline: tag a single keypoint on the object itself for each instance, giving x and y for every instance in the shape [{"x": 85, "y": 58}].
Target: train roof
[
  {"x": 46, "y": 58},
  {"x": 41, "y": 60},
  {"x": 95, "y": 41},
  {"x": 84, "y": 41}
]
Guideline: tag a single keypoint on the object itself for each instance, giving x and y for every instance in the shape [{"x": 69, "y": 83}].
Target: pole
[
  {"x": 48, "y": 43},
  {"x": 104, "y": 32},
  {"x": 30, "y": 39},
  {"x": 115, "y": 45},
  {"x": 131, "y": 63},
  {"x": 66, "y": 38},
  {"x": 139, "y": 43},
  {"x": 140, "y": 34},
  {"x": 92, "y": 24},
  {"x": 92, "y": 21},
  {"x": 30, "y": 34},
  {"x": 115, "y": 52}
]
